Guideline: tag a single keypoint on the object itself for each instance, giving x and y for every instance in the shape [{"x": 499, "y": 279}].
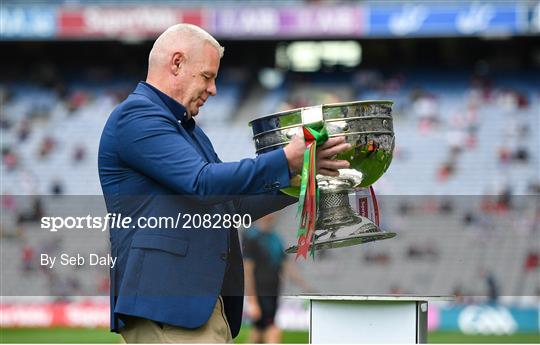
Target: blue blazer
[{"x": 154, "y": 162}]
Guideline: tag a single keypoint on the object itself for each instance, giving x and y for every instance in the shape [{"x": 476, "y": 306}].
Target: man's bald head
[
  {"x": 183, "y": 37},
  {"x": 184, "y": 64}
]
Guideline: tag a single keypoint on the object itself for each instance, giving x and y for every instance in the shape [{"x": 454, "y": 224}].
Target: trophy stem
[
  {"x": 337, "y": 224},
  {"x": 335, "y": 210}
]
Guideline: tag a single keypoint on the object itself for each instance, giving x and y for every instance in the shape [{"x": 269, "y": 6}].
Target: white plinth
[{"x": 367, "y": 319}]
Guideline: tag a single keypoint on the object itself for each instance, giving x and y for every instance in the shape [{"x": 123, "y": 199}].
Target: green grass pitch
[{"x": 102, "y": 336}]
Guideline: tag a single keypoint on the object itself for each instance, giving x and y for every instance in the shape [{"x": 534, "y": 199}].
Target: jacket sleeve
[
  {"x": 150, "y": 142},
  {"x": 258, "y": 206}
]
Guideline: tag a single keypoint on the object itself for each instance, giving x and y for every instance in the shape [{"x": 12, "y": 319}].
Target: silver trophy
[{"x": 367, "y": 126}]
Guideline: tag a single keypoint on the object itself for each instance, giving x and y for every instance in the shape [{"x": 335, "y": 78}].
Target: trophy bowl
[{"x": 367, "y": 126}]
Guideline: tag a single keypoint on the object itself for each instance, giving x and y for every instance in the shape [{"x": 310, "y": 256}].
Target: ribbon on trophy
[{"x": 315, "y": 134}]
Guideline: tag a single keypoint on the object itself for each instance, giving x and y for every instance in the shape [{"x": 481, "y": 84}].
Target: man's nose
[{"x": 212, "y": 89}]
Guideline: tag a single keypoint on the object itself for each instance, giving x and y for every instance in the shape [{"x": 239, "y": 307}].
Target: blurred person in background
[
  {"x": 491, "y": 285},
  {"x": 265, "y": 266},
  {"x": 151, "y": 148}
]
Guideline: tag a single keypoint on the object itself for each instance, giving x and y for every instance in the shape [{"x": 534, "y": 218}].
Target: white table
[{"x": 369, "y": 319}]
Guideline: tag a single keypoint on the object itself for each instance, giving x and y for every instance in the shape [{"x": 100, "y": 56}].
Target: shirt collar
[{"x": 178, "y": 110}]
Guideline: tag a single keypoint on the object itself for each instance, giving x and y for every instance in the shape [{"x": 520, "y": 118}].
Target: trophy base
[{"x": 343, "y": 237}]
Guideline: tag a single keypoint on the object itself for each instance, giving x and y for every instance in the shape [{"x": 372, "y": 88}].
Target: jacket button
[{"x": 224, "y": 256}]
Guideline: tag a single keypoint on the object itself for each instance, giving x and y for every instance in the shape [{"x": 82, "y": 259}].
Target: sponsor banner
[
  {"x": 87, "y": 314},
  {"x": 36, "y": 22},
  {"x": 488, "y": 319},
  {"x": 293, "y": 314},
  {"x": 123, "y": 22},
  {"x": 423, "y": 19},
  {"x": 420, "y": 19},
  {"x": 279, "y": 22}
]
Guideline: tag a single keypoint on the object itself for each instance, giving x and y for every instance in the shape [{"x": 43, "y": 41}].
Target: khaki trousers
[{"x": 216, "y": 330}]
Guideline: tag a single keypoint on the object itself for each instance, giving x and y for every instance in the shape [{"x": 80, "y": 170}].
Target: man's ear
[{"x": 177, "y": 60}]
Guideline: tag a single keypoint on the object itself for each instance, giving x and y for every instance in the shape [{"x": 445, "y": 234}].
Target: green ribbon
[{"x": 314, "y": 133}]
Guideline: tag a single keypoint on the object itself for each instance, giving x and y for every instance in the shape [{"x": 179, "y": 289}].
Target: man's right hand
[{"x": 294, "y": 151}]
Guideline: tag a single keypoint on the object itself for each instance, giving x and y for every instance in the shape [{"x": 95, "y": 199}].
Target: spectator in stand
[
  {"x": 521, "y": 155},
  {"x": 28, "y": 256},
  {"x": 534, "y": 187},
  {"x": 77, "y": 100},
  {"x": 79, "y": 154},
  {"x": 492, "y": 287},
  {"x": 504, "y": 155},
  {"x": 9, "y": 158},
  {"x": 446, "y": 170},
  {"x": 47, "y": 145},
  {"x": 426, "y": 108},
  {"x": 24, "y": 130},
  {"x": 57, "y": 187},
  {"x": 532, "y": 261}
]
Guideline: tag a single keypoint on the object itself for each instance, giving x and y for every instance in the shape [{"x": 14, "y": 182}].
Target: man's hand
[{"x": 294, "y": 151}]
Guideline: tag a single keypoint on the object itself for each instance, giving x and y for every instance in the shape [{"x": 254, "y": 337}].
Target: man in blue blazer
[{"x": 171, "y": 283}]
